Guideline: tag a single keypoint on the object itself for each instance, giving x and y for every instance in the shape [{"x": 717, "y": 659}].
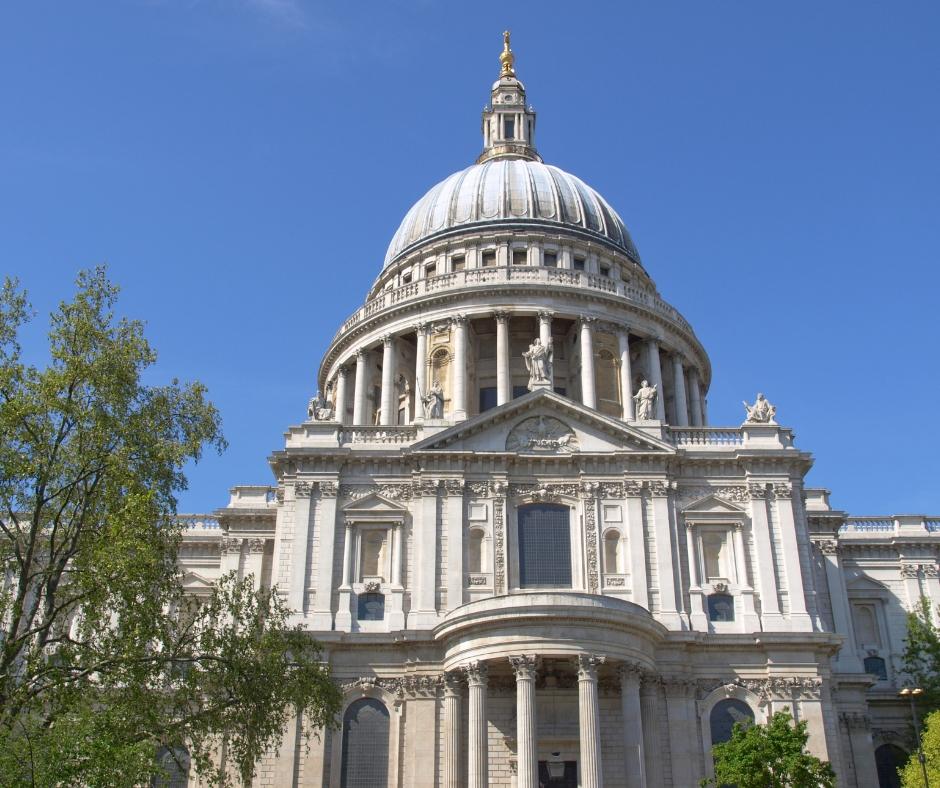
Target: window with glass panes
[{"x": 544, "y": 546}]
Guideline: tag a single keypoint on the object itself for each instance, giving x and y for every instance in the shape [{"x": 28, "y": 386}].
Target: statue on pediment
[
  {"x": 318, "y": 408},
  {"x": 538, "y": 361},
  {"x": 761, "y": 412},
  {"x": 645, "y": 400},
  {"x": 434, "y": 401}
]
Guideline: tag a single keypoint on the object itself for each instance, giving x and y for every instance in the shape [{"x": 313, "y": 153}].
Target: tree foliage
[
  {"x": 922, "y": 655},
  {"x": 912, "y": 773},
  {"x": 103, "y": 659},
  {"x": 769, "y": 756}
]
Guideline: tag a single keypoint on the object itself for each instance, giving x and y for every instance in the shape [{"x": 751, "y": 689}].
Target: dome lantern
[{"x": 508, "y": 123}]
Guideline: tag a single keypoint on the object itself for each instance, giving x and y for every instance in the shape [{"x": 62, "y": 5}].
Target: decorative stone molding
[
  {"x": 499, "y": 538},
  {"x": 658, "y": 488},
  {"x": 630, "y": 672},
  {"x": 477, "y": 673},
  {"x": 453, "y": 682},
  {"x": 611, "y": 490},
  {"x": 256, "y": 545},
  {"x": 590, "y": 527},
  {"x": 910, "y": 570},
  {"x": 500, "y": 488},
  {"x": 373, "y": 586},
  {"x": 478, "y": 489},
  {"x": 757, "y": 492},
  {"x": 454, "y": 487},
  {"x": 402, "y": 687},
  {"x": 302, "y": 489},
  {"x": 543, "y": 492},
  {"x": 930, "y": 570},
  {"x": 394, "y": 492},
  {"x": 855, "y": 720},
  {"x": 774, "y": 688},
  {"x": 231, "y": 544},
  {"x": 328, "y": 489},
  {"x": 827, "y": 546},
  {"x": 477, "y": 580},
  {"x": 783, "y": 490},
  {"x": 734, "y": 494},
  {"x": 616, "y": 581},
  {"x": 279, "y": 495},
  {"x": 679, "y": 686},
  {"x": 633, "y": 489}
]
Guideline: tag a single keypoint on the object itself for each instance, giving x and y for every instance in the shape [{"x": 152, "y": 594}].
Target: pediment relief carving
[
  {"x": 542, "y": 435},
  {"x": 373, "y": 502}
]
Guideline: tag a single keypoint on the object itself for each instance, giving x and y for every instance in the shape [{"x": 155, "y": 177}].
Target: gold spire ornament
[{"x": 506, "y": 58}]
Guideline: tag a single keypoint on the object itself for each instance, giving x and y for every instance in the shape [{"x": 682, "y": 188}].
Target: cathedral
[{"x": 529, "y": 557}]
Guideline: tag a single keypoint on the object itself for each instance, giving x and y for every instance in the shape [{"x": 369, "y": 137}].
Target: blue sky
[{"x": 242, "y": 164}]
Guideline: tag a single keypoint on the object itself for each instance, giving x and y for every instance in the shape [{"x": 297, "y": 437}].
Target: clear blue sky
[{"x": 242, "y": 164}]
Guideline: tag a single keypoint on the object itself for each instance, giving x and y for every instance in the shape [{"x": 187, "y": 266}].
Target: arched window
[
  {"x": 475, "y": 551},
  {"x": 888, "y": 759},
  {"x": 172, "y": 768},
  {"x": 544, "y": 546},
  {"x": 720, "y": 607},
  {"x": 724, "y": 715},
  {"x": 365, "y": 745},
  {"x": 877, "y": 667},
  {"x": 612, "y": 559}
]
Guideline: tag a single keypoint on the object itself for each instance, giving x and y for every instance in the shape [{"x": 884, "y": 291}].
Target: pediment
[
  {"x": 373, "y": 504},
  {"x": 859, "y": 581},
  {"x": 712, "y": 505},
  {"x": 193, "y": 581},
  {"x": 544, "y": 423}
]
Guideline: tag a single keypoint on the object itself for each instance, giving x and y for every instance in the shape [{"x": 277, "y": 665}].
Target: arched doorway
[
  {"x": 888, "y": 759},
  {"x": 365, "y": 745}
]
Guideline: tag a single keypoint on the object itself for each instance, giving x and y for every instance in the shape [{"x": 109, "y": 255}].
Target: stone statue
[
  {"x": 538, "y": 361},
  {"x": 434, "y": 401},
  {"x": 645, "y": 400},
  {"x": 761, "y": 412},
  {"x": 318, "y": 408}
]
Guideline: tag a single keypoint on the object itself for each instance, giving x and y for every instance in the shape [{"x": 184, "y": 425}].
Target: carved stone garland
[{"x": 589, "y": 491}]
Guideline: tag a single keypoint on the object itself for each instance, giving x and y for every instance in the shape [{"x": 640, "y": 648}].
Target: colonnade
[
  {"x": 687, "y": 404},
  {"x": 524, "y": 667}
]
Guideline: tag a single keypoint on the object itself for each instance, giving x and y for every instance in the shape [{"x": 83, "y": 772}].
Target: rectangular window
[
  {"x": 489, "y": 259},
  {"x": 605, "y": 270},
  {"x": 371, "y": 607},
  {"x": 406, "y": 277},
  {"x": 550, "y": 260},
  {"x": 520, "y": 257},
  {"x": 578, "y": 263},
  {"x": 509, "y": 129},
  {"x": 457, "y": 262},
  {"x": 430, "y": 270},
  {"x": 487, "y": 398},
  {"x": 544, "y": 546}
]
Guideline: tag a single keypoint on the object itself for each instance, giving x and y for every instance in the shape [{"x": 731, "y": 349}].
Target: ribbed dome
[{"x": 511, "y": 190}]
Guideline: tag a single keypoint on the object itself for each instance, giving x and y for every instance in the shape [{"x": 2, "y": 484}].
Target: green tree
[
  {"x": 912, "y": 773},
  {"x": 769, "y": 756},
  {"x": 922, "y": 656},
  {"x": 103, "y": 658}
]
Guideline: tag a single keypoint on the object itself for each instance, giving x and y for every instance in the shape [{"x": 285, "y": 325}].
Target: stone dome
[{"x": 517, "y": 190}]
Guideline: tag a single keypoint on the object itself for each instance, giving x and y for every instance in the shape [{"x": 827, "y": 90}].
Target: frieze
[
  {"x": 477, "y": 580},
  {"x": 910, "y": 570},
  {"x": 231, "y": 545},
  {"x": 543, "y": 492},
  {"x": 783, "y": 490},
  {"x": 616, "y": 581},
  {"x": 919, "y": 570},
  {"x": 256, "y": 545},
  {"x": 589, "y": 489},
  {"x": 478, "y": 489},
  {"x": 454, "y": 487},
  {"x": 400, "y": 686},
  {"x": 328, "y": 489},
  {"x": 302, "y": 489},
  {"x": 734, "y": 494},
  {"x": 393, "y": 492},
  {"x": 757, "y": 492},
  {"x": 774, "y": 688},
  {"x": 611, "y": 490},
  {"x": 827, "y": 546}
]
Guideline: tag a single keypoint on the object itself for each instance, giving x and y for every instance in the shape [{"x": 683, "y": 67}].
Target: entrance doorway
[{"x": 558, "y": 774}]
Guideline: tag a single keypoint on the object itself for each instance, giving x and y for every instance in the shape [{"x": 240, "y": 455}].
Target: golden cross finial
[{"x": 506, "y": 58}]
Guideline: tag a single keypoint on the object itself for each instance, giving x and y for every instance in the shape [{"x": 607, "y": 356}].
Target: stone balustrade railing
[
  {"x": 198, "y": 522},
  {"x": 898, "y": 524},
  {"x": 477, "y": 277},
  {"x": 381, "y": 435},
  {"x": 707, "y": 436}
]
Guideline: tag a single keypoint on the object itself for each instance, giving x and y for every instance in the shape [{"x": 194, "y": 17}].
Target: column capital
[
  {"x": 524, "y": 666},
  {"x": 588, "y": 665},
  {"x": 477, "y": 673},
  {"x": 421, "y": 327},
  {"x": 342, "y": 371},
  {"x": 587, "y": 320},
  {"x": 361, "y": 354},
  {"x": 452, "y": 683},
  {"x": 458, "y": 320},
  {"x": 545, "y": 314},
  {"x": 387, "y": 339},
  {"x": 501, "y": 315},
  {"x": 630, "y": 674}
]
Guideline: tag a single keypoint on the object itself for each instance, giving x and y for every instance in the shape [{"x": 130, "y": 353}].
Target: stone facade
[{"x": 689, "y": 565}]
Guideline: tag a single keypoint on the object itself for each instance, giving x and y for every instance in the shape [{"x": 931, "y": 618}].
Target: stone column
[
  {"x": 340, "y": 414},
  {"x": 254, "y": 559},
  {"x": 459, "y": 394},
  {"x": 653, "y": 744},
  {"x": 545, "y": 327},
  {"x": 347, "y": 556},
  {"x": 589, "y": 721},
  {"x": 296, "y": 599},
  {"x": 452, "y": 737},
  {"x": 847, "y": 659},
  {"x": 800, "y": 620},
  {"x": 697, "y": 617},
  {"x": 695, "y": 398},
  {"x": 626, "y": 375},
  {"x": 527, "y": 751},
  {"x": 656, "y": 376},
  {"x": 682, "y": 407},
  {"x": 477, "y": 743},
  {"x": 745, "y": 589},
  {"x": 633, "y": 756},
  {"x": 421, "y": 366},
  {"x": 636, "y": 539},
  {"x": 359, "y": 396},
  {"x": 503, "y": 377},
  {"x": 588, "y": 389},
  {"x": 771, "y": 619},
  {"x": 683, "y": 744},
  {"x": 389, "y": 414},
  {"x": 322, "y": 618}
]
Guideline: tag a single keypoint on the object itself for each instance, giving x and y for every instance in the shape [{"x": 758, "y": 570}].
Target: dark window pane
[
  {"x": 720, "y": 607},
  {"x": 509, "y": 129},
  {"x": 550, "y": 260},
  {"x": 724, "y": 715},
  {"x": 520, "y": 257},
  {"x": 487, "y": 398},
  {"x": 519, "y": 391},
  {"x": 544, "y": 546},
  {"x": 876, "y": 666},
  {"x": 365, "y": 745},
  {"x": 172, "y": 768},
  {"x": 489, "y": 259},
  {"x": 578, "y": 263},
  {"x": 371, "y": 607},
  {"x": 561, "y": 390}
]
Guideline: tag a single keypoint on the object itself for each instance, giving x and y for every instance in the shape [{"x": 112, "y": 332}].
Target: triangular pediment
[
  {"x": 193, "y": 581},
  {"x": 373, "y": 503},
  {"x": 859, "y": 581},
  {"x": 544, "y": 423},
  {"x": 712, "y": 505}
]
